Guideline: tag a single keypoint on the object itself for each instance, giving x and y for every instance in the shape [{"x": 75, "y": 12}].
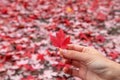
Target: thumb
[{"x": 71, "y": 54}]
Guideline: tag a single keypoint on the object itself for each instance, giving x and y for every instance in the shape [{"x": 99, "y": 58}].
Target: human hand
[{"x": 90, "y": 63}]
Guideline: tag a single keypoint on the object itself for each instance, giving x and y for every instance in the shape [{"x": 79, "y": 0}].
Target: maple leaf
[
  {"x": 60, "y": 40},
  {"x": 85, "y": 36},
  {"x": 67, "y": 22},
  {"x": 101, "y": 16},
  {"x": 40, "y": 57},
  {"x": 1, "y": 65},
  {"x": 100, "y": 38},
  {"x": 60, "y": 65},
  {"x": 28, "y": 67},
  {"x": 114, "y": 55},
  {"x": 4, "y": 11},
  {"x": 19, "y": 47},
  {"x": 95, "y": 5}
]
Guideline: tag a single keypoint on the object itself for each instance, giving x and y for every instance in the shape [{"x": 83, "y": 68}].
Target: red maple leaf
[
  {"x": 100, "y": 38},
  {"x": 114, "y": 55},
  {"x": 95, "y": 5},
  {"x": 28, "y": 67},
  {"x": 60, "y": 40},
  {"x": 41, "y": 57},
  {"x": 101, "y": 16}
]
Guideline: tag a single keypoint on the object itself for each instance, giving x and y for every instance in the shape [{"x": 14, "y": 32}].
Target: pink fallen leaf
[{"x": 101, "y": 16}]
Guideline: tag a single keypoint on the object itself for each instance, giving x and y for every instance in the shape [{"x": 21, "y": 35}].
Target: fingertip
[
  {"x": 67, "y": 61},
  {"x": 70, "y": 54},
  {"x": 65, "y": 69},
  {"x": 62, "y": 52},
  {"x": 61, "y": 55},
  {"x": 75, "y": 47},
  {"x": 69, "y": 46}
]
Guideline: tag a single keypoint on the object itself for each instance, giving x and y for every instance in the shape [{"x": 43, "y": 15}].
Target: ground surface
[{"x": 26, "y": 52}]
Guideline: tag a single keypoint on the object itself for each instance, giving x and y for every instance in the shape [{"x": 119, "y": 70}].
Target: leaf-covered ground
[{"x": 26, "y": 51}]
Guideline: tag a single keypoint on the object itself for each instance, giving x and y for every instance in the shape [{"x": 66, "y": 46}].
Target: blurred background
[{"x": 26, "y": 52}]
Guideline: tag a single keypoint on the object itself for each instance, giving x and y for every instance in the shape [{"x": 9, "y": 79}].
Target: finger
[
  {"x": 71, "y": 71},
  {"x": 73, "y": 63},
  {"x": 76, "y": 47},
  {"x": 76, "y": 64},
  {"x": 78, "y": 72},
  {"x": 74, "y": 55}
]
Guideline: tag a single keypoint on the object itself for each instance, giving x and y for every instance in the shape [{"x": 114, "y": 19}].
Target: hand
[{"x": 90, "y": 63}]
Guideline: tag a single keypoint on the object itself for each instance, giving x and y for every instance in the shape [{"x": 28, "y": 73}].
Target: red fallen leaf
[
  {"x": 60, "y": 40},
  {"x": 67, "y": 22},
  {"x": 5, "y": 58},
  {"x": 33, "y": 16},
  {"x": 101, "y": 16},
  {"x": 50, "y": 53},
  {"x": 87, "y": 19},
  {"x": 83, "y": 9},
  {"x": 28, "y": 67},
  {"x": 32, "y": 50},
  {"x": 1, "y": 65},
  {"x": 85, "y": 36},
  {"x": 51, "y": 27},
  {"x": 82, "y": 1},
  {"x": 4, "y": 11},
  {"x": 27, "y": 54},
  {"x": 100, "y": 38},
  {"x": 25, "y": 4},
  {"x": 19, "y": 47},
  {"x": 8, "y": 57},
  {"x": 114, "y": 55},
  {"x": 40, "y": 57},
  {"x": 94, "y": 5},
  {"x": 117, "y": 19},
  {"x": 60, "y": 65}
]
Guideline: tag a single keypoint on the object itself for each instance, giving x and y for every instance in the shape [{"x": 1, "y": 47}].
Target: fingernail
[
  {"x": 65, "y": 69},
  {"x": 60, "y": 51},
  {"x": 64, "y": 51},
  {"x": 68, "y": 45}
]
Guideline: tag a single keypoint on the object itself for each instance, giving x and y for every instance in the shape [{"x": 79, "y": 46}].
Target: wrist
[{"x": 114, "y": 71}]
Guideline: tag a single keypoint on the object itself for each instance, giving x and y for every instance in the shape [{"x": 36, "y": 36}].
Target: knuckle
[
  {"x": 91, "y": 48},
  {"x": 73, "y": 46},
  {"x": 70, "y": 52}
]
